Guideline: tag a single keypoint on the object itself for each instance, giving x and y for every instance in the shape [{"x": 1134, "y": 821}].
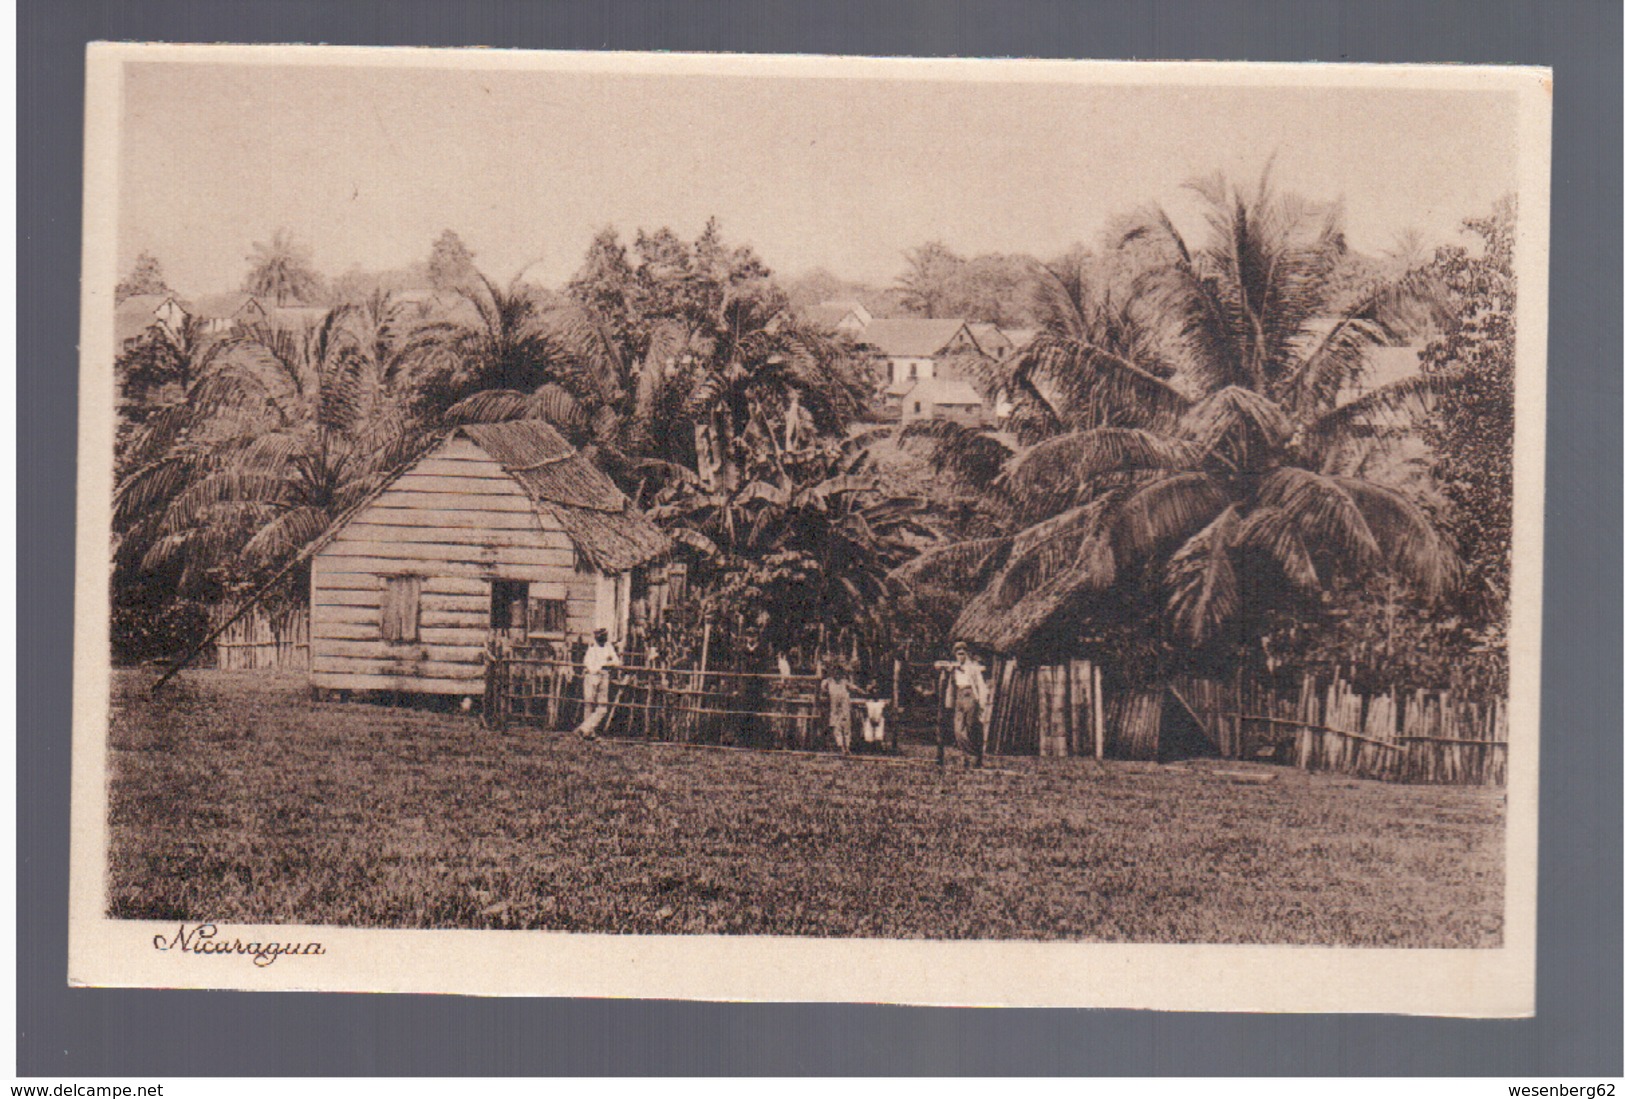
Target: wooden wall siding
[{"x": 458, "y": 520}]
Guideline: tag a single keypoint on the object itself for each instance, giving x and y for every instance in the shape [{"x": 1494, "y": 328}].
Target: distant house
[
  {"x": 913, "y": 346},
  {"x": 945, "y": 399},
  {"x": 225, "y": 313},
  {"x": 917, "y": 350},
  {"x": 993, "y": 341},
  {"x": 136, "y": 316},
  {"x": 502, "y": 530},
  {"x": 1019, "y": 338},
  {"x": 849, "y": 318}
]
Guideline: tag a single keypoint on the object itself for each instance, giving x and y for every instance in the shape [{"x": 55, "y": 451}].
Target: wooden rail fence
[{"x": 683, "y": 705}]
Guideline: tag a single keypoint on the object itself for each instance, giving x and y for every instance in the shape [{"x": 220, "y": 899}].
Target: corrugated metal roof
[{"x": 598, "y": 517}]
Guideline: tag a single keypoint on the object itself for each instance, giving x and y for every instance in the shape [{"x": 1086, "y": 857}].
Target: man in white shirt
[
  {"x": 968, "y": 684},
  {"x": 595, "y": 665}
]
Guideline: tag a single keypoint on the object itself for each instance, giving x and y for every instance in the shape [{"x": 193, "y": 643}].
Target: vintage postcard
[{"x": 790, "y": 528}]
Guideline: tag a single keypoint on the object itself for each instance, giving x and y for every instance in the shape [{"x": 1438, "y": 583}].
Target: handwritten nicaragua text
[{"x": 205, "y": 939}]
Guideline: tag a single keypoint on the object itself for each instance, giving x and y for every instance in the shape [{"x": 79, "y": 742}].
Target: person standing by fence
[
  {"x": 967, "y": 685},
  {"x": 838, "y": 686},
  {"x": 595, "y": 664}
]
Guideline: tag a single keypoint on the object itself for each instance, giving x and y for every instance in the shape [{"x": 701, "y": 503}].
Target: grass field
[{"x": 241, "y": 799}]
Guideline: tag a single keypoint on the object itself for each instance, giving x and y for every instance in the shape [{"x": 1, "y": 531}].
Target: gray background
[{"x": 1577, "y": 1031}]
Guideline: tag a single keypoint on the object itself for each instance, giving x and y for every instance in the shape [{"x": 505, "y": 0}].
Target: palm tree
[
  {"x": 1188, "y": 438},
  {"x": 807, "y": 538},
  {"x": 598, "y": 392},
  {"x": 280, "y": 269},
  {"x": 755, "y": 371},
  {"x": 285, "y": 432},
  {"x": 503, "y": 352},
  {"x": 700, "y": 346},
  {"x": 164, "y": 360}
]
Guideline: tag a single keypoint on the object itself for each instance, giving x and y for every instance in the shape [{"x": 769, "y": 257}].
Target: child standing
[{"x": 838, "y": 686}]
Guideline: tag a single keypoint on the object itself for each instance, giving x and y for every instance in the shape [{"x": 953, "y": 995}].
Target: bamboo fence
[
  {"x": 1048, "y": 710},
  {"x": 1419, "y": 736},
  {"x": 261, "y": 639}
]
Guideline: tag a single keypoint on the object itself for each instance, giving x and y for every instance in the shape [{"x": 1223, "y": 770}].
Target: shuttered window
[{"x": 398, "y": 608}]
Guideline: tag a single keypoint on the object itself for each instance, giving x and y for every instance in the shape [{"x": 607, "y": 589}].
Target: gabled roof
[
  {"x": 988, "y": 334},
  {"x": 828, "y": 314},
  {"x": 224, "y": 306},
  {"x": 597, "y": 516},
  {"x": 911, "y": 337},
  {"x": 946, "y": 391},
  {"x": 138, "y": 303},
  {"x": 600, "y": 520},
  {"x": 1019, "y": 337},
  {"x": 134, "y": 315}
]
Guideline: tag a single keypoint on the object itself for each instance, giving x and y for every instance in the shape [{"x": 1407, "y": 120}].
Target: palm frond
[
  {"x": 1060, "y": 472},
  {"x": 1076, "y": 541},
  {"x": 970, "y": 454},
  {"x": 1167, "y": 511},
  {"x": 1324, "y": 515},
  {"x": 1101, "y": 385},
  {"x": 1391, "y": 408},
  {"x": 1381, "y": 318},
  {"x": 958, "y": 566},
  {"x": 1411, "y": 544},
  {"x": 148, "y": 490},
  {"x": 1204, "y": 592},
  {"x": 1269, "y": 531},
  {"x": 287, "y": 534},
  {"x": 197, "y": 505},
  {"x": 1239, "y": 427}
]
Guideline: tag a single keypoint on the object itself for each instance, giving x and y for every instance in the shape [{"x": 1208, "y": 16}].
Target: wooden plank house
[{"x": 501, "y": 529}]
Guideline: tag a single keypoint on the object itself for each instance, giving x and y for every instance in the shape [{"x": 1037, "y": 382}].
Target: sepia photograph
[{"x": 999, "y": 532}]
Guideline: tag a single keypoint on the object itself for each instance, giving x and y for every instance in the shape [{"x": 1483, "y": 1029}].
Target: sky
[{"x": 367, "y": 165}]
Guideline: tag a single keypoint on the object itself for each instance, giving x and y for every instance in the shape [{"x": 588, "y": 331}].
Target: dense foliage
[
  {"x": 678, "y": 366},
  {"x": 1189, "y": 441},
  {"x": 1190, "y": 470},
  {"x": 1471, "y": 432}
]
